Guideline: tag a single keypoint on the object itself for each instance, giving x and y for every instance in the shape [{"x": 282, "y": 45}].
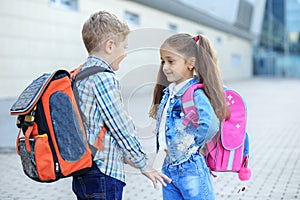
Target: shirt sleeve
[
  {"x": 115, "y": 117},
  {"x": 208, "y": 121}
]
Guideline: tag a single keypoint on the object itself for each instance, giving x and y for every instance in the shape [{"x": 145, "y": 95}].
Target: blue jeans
[
  {"x": 190, "y": 180},
  {"x": 94, "y": 185}
]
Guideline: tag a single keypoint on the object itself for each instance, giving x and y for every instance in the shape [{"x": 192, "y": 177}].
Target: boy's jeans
[
  {"x": 94, "y": 185},
  {"x": 190, "y": 180}
]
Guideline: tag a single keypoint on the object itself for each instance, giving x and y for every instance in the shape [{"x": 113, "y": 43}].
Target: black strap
[
  {"x": 88, "y": 72},
  {"x": 84, "y": 74},
  {"x": 80, "y": 76}
]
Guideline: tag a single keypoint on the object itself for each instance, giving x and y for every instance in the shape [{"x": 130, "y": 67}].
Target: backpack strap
[
  {"x": 89, "y": 71},
  {"x": 188, "y": 105},
  {"x": 77, "y": 75}
]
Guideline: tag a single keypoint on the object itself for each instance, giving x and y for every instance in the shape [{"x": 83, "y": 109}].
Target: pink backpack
[{"x": 228, "y": 151}]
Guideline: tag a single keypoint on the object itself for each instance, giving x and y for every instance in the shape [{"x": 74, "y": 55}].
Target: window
[
  {"x": 132, "y": 18},
  {"x": 173, "y": 28},
  {"x": 65, "y": 4},
  {"x": 219, "y": 40}
]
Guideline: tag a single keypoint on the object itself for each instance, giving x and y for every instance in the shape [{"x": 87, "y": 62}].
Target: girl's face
[{"x": 175, "y": 66}]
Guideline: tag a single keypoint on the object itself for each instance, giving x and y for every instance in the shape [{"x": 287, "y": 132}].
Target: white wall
[
  {"x": 157, "y": 22},
  {"x": 225, "y": 10},
  {"x": 37, "y": 37}
]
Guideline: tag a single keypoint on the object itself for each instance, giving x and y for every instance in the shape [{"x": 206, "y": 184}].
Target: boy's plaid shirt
[{"x": 101, "y": 103}]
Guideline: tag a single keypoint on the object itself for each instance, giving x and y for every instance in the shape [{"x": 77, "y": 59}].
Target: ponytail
[{"x": 209, "y": 74}]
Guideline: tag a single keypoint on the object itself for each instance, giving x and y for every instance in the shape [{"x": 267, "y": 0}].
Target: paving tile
[{"x": 273, "y": 126}]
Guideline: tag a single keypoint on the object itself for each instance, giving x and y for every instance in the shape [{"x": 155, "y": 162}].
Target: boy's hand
[
  {"x": 127, "y": 161},
  {"x": 155, "y": 176}
]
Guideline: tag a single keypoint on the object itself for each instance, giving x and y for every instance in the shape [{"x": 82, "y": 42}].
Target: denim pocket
[
  {"x": 190, "y": 167},
  {"x": 90, "y": 185}
]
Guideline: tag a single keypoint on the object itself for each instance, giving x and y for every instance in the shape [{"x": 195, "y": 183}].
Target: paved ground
[{"x": 273, "y": 126}]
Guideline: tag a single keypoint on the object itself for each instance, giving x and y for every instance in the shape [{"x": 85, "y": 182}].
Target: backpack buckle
[
  {"x": 192, "y": 117},
  {"x": 30, "y": 117}
]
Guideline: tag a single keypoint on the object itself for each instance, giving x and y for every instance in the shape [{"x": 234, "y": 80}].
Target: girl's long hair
[
  {"x": 161, "y": 84},
  {"x": 206, "y": 69}
]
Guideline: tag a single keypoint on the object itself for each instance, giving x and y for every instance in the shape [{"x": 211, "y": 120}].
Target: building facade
[
  {"x": 278, "y": 52},
  {"x": 39, "y": 36}
]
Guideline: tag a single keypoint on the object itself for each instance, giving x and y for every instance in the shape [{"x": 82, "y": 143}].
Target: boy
[{"x": 105, "y": 38}]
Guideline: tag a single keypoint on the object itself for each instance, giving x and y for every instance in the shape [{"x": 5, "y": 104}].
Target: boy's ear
[{"x": 109, "y": 46}]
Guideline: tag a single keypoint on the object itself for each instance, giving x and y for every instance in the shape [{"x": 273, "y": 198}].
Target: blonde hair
[
  {"x": 206, "y": 69},
  {"x": 101, "y": 26}
]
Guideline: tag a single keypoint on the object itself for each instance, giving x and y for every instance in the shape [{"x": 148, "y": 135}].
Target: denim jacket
[{"x": 183, "y": 141}]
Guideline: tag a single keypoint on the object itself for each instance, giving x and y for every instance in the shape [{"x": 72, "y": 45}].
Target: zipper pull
[{"x": 56, "y": 167}]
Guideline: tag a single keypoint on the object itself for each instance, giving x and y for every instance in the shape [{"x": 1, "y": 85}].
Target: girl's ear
[
  {"x": 109, "y": 46},
  {"x": 192, "y": 61}
]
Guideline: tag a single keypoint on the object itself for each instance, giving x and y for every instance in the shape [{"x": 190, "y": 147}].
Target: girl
[{"x": 183, "y": 56}]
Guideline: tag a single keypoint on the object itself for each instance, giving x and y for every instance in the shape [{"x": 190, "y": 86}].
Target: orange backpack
[{"x": 53, "y": 144}]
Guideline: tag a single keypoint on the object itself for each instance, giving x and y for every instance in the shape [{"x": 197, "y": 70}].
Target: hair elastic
[{"x": 196, "y": 38}]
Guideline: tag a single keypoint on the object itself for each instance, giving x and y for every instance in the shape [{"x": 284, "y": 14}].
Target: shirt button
[
  {"x": 172, "y": 100},
  {"x": 181, "y": 114},
  {"x": 167, "y": 128}
]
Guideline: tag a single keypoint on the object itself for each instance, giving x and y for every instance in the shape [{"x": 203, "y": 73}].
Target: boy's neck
[{"x": 100, "y": 55}]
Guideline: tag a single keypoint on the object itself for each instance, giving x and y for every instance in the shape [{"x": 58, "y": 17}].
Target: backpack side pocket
[{"x": 44, "y": 158}]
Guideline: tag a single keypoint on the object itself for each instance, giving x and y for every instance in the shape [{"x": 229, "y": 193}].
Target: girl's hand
[
  {"x": 155, "y": 176},
  {"x": 203, "y": 151}
]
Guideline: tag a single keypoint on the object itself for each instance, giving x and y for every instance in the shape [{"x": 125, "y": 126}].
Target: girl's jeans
[
  {"x": 190, "y": 180},
  {"x": 94, "y": 185}
]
